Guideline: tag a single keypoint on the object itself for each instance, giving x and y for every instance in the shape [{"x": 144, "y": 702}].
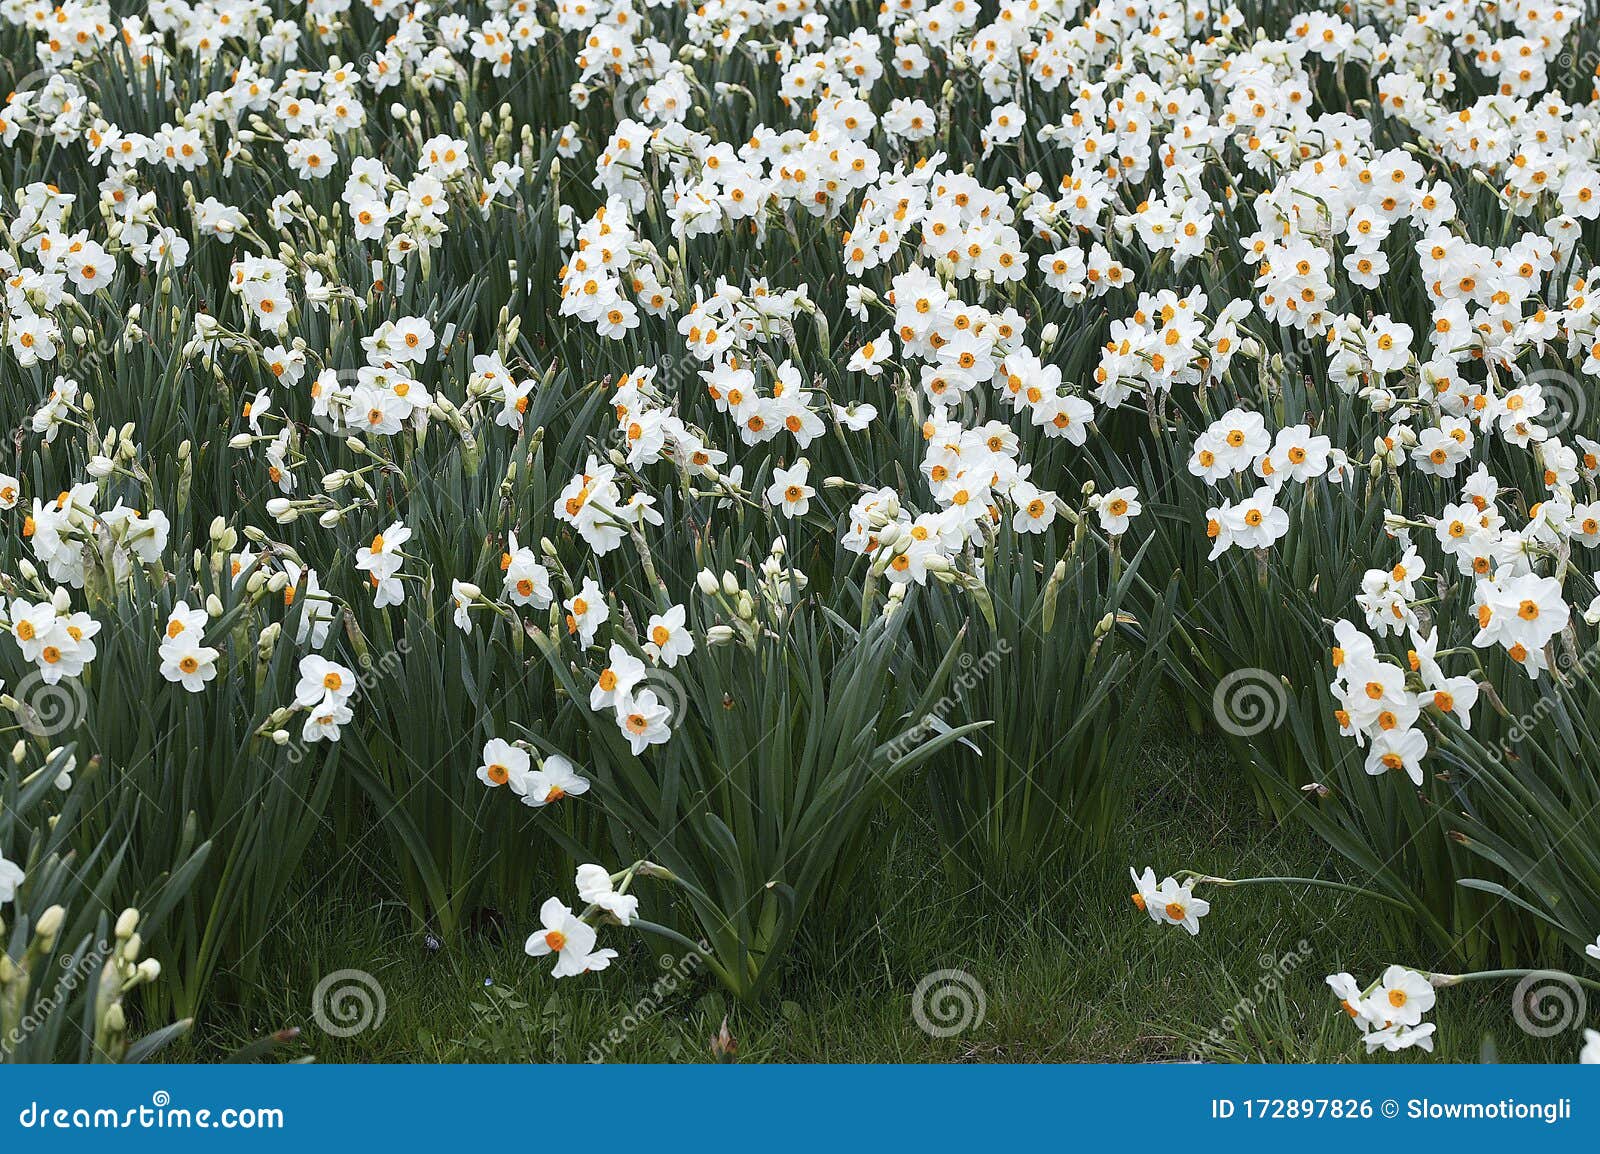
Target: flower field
[{"x": 662, "y": 485}]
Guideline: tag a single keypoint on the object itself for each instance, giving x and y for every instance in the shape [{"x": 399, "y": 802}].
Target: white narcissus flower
[
  {"x": 527, "y": 582},
  {"x": 567, "y": 936},
  {"x": 623, "y": 671},
  {"x": 1402, "y": 997},
  {"x": 68, "y": 766},
  {"x": 32, "y": 625},
  {"x": 1144, "y": 891},
  {"x": 184, "y": 626},
  {"x": 325, "y": 720},
  {"x": 1257, "y": 522},
  {"x": 1176, "y": 905},
  {"x": 320, "y": 678},
  {"x": 1035, "y": 508},
  {"x": 190, "y": 665},
  {"x": 387, "y": 591},
  {"x": 1395, "y": 1038},
  {"x": 1351, "y": 1000},
  {"x": 1388, "y": 345},
  {"x": 1592, "y": 613},
  {"x": 382, "y": 557},
  {"x": 551, "y": 782},
  {"x": 870, "y": 356},
  {"x": 1401, "y": 749},
  {"x": 644, "y": 720},
  {"x": 1590, "y": 1054},
  {"x": 855, "y": 416},
  {"x": 789, "y": 493},
  {"x": 668, "y": 636},
  {"x": 586, "y": 611},
  {"x": 11, "y": 877},
  {"x": 462, "y": 595},
  {"x": 503, "y": 763},
  {"x": 1117, "y": 508},
  {"x": 594, "y": 887},
  {"x": 1594, "y": 950}
]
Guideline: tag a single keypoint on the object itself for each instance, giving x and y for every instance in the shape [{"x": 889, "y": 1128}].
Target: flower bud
[
  {"x": 49, "y": 924},
  {"x": 127, "y": 922}
]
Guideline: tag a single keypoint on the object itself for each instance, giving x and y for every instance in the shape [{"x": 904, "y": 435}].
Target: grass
[{"x": 1070, "y": 970}]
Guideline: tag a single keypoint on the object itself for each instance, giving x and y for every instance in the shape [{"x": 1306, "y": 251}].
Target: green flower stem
[
  {"x": 1441, "y": 981},
  {"x": 1344, "y": 887}
]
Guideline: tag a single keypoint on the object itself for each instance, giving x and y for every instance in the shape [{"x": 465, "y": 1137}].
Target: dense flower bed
[{"x": 536, "y": 434}]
